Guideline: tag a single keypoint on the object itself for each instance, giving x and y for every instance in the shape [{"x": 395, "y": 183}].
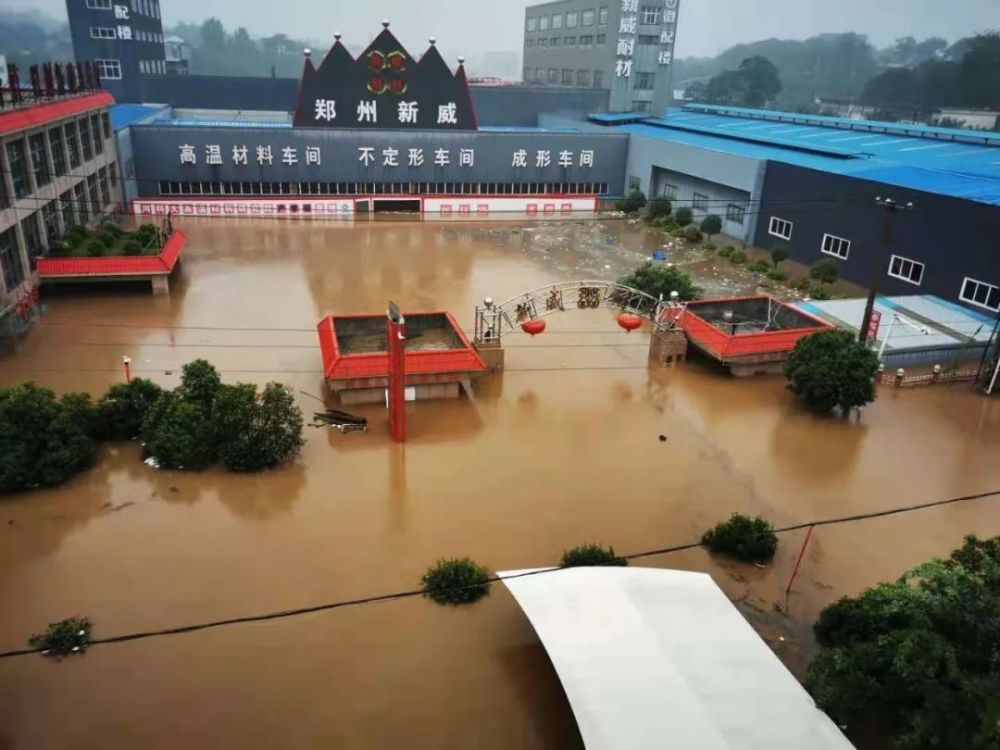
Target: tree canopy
[
  {"x": 831, "y": 370},
  {"x": 656, "y": 279},
  {"x": 919, "y": 657},
  {"x": 754, "y": 83}
]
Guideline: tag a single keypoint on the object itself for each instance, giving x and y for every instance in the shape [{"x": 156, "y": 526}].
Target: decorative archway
[{"x": 493, "y": 320}]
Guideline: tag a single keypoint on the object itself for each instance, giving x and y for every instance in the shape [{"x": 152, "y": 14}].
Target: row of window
[
  {"x": 149, "y": 8},
  {"x": 85, "y": 201},
  {"x": 568, "y": 77},
  {"x": 572, "y": 19},
  {"x": 700, "y": 202},
  {"x": 125, "y": 33},
  {"x": 32, "y": 163},
  {"x": 153, "y": 67},
  {"x": 382, "y": 188},
  {"x": 584, "y": 40},
  {"x": 109, "y": 70},
  {"x": 973, "y": 291}
]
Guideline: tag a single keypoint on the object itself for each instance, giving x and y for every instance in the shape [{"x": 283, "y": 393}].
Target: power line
[{"x": 407, "y": 594}]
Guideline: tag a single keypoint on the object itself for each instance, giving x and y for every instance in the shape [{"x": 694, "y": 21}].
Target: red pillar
[{"x": 396, "y": 333}]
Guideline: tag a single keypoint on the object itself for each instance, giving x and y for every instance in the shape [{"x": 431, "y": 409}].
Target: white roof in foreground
[{"x": 661, "y": 658}]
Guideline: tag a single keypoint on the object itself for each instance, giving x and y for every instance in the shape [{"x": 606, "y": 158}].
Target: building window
[
  {"x": 156, "y": 10},
  {"x": 583, "y": 78},
  {"x": 531, "y": 24},
  {"x": 40, "y": 160},
  {"x": 586, "y": 40},
  {"x": 649, "y": 15},
  {"x": 601, "y": 39},
  {"x": 99, "y": 4},
  {"x": 66, "y": 204},
  {"x": 906, "y": 269},
  {"x": 634, "y": 183},
  {"x": 18, "y": 168},
  {"x": 555, "y": 41},
  {"x": 95, "y": 203},
  {"x": 106, "y": 125},
  {"x": 569, "y": 41},
  {"x": 32, "y": 239},
  {"x": 572, "y": 20},
  {"x": 10, "y": 261},
  {"x": 598, "y": 79},
  {"x": 95, "y": 127},
  {"x": 643, "y": 82},
  {"x": 102, "y": 32},
  {"x": 85, "y": 146},
  {"x": 567, "y": 77},
  {"x": 543, "y": 23},
  {"x": 553, "y": 75},
  {"x": 647, "y": 39},
  {"x": 110, "y": 70},
  {"x": 4, "y": 198},
  {"x": 668, "y": 191},
  {"x": 981, "y": 294},
  {"x": 640, "y": 106},
  {"x": 735, "y": 214},
  {"x": 780, "y": 228},
  {"x": 587, "y": 18},
  {"x": 529, "y": 75},
  {"x": 700, "y": 202},
  {"x": 602, "y": 16},
  {"x": 102, "y": 177},
  {"x": 50, "y": 218},
  {"x": 113, "y": 174},
  {"x": 529, "y": 42},
  {"x": 74, "y": 151},
  {"x": 557, "y": 21},
  {"x": 543, "y": 42},
  {"x": 836, "y": 246}
]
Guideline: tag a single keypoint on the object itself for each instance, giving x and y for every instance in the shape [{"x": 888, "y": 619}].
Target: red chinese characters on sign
[{"x": 873, "y": 325}]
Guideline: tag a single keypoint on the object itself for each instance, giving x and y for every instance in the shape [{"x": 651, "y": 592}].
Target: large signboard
[
  {"x": 385, "y": 88},
  {"x": 634, "y": 16}
]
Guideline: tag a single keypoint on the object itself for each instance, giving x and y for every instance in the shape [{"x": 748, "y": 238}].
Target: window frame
[
  {"x": 20, "y": 168},
  {"x": 572, "y": 19},
  {"x": 43, "y": 173},
  {"x": 583, "y": 17},
  {"x": 771, "y": 230},
  {"x": 543, "y": 23},
  {"x": 700, "y": 201},
  {"x": 734, "y": 209},
  {"x": 99, "y": 4},
  {"x": 106, "y": 69},
  {"x": 568, "y": 76},
  {"x": 643, "y": 81},
  {"x": 586, "y": 40},
  {"x": 103, "y": 32},
  {"x": 903, "y": 260},
  {"x": 838, "y": 242},
  {"x": 991, "y": 290},
  {"x": 531, "y": 24},
  {"x": 649, "y": 11},
  {"x": 557, "y": 21},
  {"x": 9, "y": 246},
  {"x": 602, "y": 15}
]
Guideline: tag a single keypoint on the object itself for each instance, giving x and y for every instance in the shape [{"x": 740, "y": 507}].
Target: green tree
[
  {"x": 779, "y": 253},
  {"x": 591, "y": 555},
  {"x": 744, "y": 538},
  {"x": 660, "y": 207},
  {"x": 180, "y": 434},
  {"x": 831, "y": 369},
  {"x": 43, "y": 441},
  {"x": 658, "y": 279},
  {"x": 121, "y": 411},
  {"x": 918, "y": 657},
  {"x": 632, "y": 203},
  {"x": 711, "y": 225},
  {"x": 257, "y": 433},
  {"x": 761, "y": 82},
  {"x": 825, "y": 270},
  {"x": 456, "y": 581},
  {"x": 683, "y": 216}
]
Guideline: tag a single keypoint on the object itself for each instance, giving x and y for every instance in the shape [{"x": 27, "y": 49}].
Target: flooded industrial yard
[{"x": 562, "y": 449}]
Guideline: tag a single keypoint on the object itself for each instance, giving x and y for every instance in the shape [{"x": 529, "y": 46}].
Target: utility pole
[{"x": 879, "y": 262}]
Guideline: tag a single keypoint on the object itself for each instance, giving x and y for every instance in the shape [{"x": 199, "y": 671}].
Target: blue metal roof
[
  {"x": 961, "y": 165},
  {"x": 123, "y": 115}
]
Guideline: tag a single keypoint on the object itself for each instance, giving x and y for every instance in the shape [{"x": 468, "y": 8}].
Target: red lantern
[
  {"x": 376, "y": 85},
  {"x": 397, "y": 86},
  {"x": 629, "y": 321},
  {"x": 533, "y": 327},
  {"x": 376, "y": 61},
  {"x": 396, "y": 60}
]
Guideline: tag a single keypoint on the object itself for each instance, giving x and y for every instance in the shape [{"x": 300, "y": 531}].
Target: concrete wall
[
  {"x": 953, "y": 238},
  {"x": 157, "y": 150},
  {"x": 720, "y": 176}
]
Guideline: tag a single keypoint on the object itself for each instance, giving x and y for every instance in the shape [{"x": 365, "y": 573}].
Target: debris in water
[
  {"x": 69, "y": 636},
  {"x": 663, "y": 438},
  {"x": 151, "y": 461}
]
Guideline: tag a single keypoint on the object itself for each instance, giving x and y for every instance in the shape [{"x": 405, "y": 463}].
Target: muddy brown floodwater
[{"x": 560, "y": 450}]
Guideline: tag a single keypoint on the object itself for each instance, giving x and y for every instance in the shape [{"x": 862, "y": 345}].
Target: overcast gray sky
[{"x": 471, "y": 27}]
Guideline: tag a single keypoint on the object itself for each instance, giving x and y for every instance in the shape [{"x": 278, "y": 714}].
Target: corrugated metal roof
[
  {"x": 922, "y": 160},
  {"x": 123, "y": 115}
]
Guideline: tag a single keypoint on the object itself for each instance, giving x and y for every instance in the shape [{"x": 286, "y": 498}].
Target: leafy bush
[
  {"x": 738, "y": 257},
  {"x": 692, "y": 234},
  {"x": 820, "y": 292},
  {"x": 657, "y": 279},
  {"x": 147, "y": 228},
  {"x": 915, "y": 657},
  {"x": 257, "y": 433},
  {"x": 58, "y": 249},
  {"x": 200, "y": 383},
  {"x": 632, "y": 203},
  {"x": 778, "y": 254},
  {"x": 179, "y": 434},
  {"x": 683, "y": 217},
  {"x": 660, "y": 207},
  {"x": 825, "y": 270},
  {"x": 131, "y": 247},
  {"x": 709, "y": 246},
  {"x": 711, "y": 224},
  {"x": 112, "y": 228},
  {"x": 759, "y": 266},
  {"x": 831, "y": 369},
  {"x": 63, "y": 638},
  {"x": 108, "y": 238},
  {"x": 776, "y": 275},
  {"x": 456, "y": 581},
  {"x": 76, "y": 234},
  {"x": 43, "y": 442},
  {"x": 95, "y": 247},
  {"x": 591, "y": 555},
  {"x": 801, "y": 283},
  {"x": 679, "y": 233},
  {"x": 122, "y": 410},
  {"x": 727, "y": 251},
  {"x": 747, "y": 539}
]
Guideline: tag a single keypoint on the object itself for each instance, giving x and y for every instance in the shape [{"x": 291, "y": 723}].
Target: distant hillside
[{"x": 27, "y": 37}]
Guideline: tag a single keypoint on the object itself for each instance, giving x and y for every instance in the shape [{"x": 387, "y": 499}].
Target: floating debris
[{"x": 63, "y": 638}]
